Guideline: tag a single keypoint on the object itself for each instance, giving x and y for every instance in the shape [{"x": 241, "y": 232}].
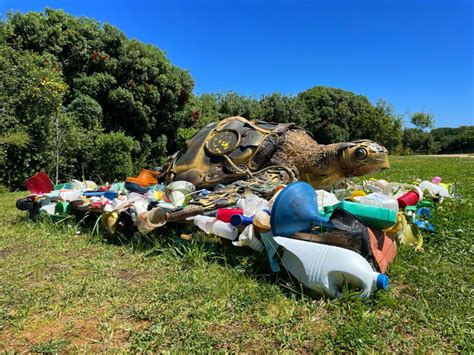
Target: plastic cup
[
  {"x": 224, "y": 214},
  {"x": 409, "y": 199}
]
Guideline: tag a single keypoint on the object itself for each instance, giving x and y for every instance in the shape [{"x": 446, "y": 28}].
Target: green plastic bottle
[{"x": 377, "y": 217}]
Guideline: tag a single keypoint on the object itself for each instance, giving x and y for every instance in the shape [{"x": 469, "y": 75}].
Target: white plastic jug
[
  {"x": 325, "y": 268},
  {"x": 378, "y": 199}
]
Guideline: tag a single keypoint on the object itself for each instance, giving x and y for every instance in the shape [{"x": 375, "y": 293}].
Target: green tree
[
  {"x": 334, "y": 115},
  {"x": 422, "y": 120}
]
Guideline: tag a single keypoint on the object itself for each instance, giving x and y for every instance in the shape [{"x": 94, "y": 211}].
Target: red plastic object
[
  {"x": 224, "y": 214},
  {"x": 409, "y": 199},
  {"x": 39, "y": 184}
]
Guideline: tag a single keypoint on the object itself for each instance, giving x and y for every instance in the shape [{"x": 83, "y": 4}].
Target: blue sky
[{"x": 415, "y": 54}]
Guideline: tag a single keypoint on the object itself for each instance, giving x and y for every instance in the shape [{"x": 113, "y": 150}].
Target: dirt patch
[
  {"x": 12, "y": 250},
  {"x": 93, "y": 333},
  {"x": 131, "y": 276}
]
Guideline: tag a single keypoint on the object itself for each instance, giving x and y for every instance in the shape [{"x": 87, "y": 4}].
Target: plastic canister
[
  {"x": 379, "y": 200},
  {"x": 326, "y": 269}
]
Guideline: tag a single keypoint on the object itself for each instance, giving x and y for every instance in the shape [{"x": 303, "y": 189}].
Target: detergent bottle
[{"x": 326, "y": 269}]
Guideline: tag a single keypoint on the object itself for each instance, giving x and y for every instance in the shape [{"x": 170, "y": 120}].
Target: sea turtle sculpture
[{"x": 238, "y": 149}]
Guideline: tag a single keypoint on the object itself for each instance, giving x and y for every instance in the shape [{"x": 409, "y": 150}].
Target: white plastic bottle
[
  {"x": 214, "y": 226},
  {"x": 326, "y": 268},
  {"x": 434, "y": 189}
]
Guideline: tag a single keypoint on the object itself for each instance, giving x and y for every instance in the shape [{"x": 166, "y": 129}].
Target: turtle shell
[{"x": 224, "y": 151}]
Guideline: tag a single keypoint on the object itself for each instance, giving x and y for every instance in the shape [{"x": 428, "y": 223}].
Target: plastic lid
[{"x": 382, "y": 281}]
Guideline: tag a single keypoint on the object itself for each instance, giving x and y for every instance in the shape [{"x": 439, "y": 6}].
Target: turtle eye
[{"x": 360, "y": 153}]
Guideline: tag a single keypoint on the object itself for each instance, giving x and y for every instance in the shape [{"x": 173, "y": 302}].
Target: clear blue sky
[{"x": 416, "y": 54}]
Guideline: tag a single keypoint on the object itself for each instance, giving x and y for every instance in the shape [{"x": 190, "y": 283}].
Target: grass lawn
[{"x": 65, "y": 289}]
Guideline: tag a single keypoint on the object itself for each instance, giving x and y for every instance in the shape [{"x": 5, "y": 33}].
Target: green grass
[{"x": 63, "y": 289}]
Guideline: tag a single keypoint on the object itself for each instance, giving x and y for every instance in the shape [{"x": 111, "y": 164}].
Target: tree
[
  {"x": 422, "y": 120},
  {"x": 334, "y": 115}
]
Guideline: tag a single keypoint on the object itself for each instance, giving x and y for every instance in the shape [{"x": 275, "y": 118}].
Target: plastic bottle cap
[{"x": 382, "y": 281}]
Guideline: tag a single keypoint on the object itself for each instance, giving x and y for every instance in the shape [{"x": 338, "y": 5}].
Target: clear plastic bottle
[
  {"x": 325, "y": 268},
  {"x": 378, "y": 199}
]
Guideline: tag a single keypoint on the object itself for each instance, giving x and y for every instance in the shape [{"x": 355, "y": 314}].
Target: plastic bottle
[
  {"x": 148, "y": 221},
  {"x": 325, "y": 268},
  {"x": 204, "y": 223},
  {"x": 401, "y": 189},
  {"x": 434, "y": 189},
  {"x": 325, "y": 199},
  {"x": 248, "y": 239},
  {"x": 378, "y": 199},
  {"x": 213, "y": 225},
  {"x": 377, "y": 217},
  {"x": 252, "y": 204}
]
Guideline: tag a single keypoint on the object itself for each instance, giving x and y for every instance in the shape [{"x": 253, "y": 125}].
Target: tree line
[{"x": 80, "y": 96}]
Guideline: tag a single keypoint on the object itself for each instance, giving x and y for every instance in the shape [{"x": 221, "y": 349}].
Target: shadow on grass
[{"x": 166, "y": 242}]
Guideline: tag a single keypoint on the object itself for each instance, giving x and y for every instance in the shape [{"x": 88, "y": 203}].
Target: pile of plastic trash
[{"x": 327, "y": 240}]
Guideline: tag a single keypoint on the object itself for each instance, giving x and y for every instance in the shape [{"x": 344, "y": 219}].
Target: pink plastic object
[
  {"x": 409, "y": 199},
  {"x": 224, "y": 214},
  {"x": 436, "y": 180},
  {"x": 39, "y": 184}
]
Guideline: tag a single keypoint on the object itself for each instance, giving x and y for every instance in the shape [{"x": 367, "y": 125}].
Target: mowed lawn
[{"x": 63, "y": 288}]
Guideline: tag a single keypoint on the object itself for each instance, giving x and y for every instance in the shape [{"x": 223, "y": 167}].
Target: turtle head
[{"x": 362, "y": 157}]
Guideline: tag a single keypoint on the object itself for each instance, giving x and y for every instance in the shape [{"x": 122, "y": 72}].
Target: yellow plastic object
[
  {"x": 405, "y": 233},
  {"x": 110, "y": 219},
  {"x": 397, "y": 227},
  {"x": 158, "y": 195},
  {"x": 356, "y": 193},
  {"x": 446, "y": 186}
]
